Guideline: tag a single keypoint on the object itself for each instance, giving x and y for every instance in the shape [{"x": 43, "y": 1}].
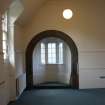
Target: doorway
[
  {"x": 51, "y": 63},
  {"x": 40, "y": 38}
]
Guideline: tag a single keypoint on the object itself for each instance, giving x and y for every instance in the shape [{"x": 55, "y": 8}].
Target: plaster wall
[{"x": 86, "y": 28}]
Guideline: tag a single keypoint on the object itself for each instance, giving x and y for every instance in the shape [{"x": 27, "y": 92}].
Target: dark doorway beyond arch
[{"x": 74, "y": 78}]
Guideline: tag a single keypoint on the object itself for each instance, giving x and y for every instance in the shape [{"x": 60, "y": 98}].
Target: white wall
[
  {"x": 86, "y": 28},
  {"x": 19, "y": 53},
  {"x": 19, "y": 59},
  {"x": 7, "y": 70}
]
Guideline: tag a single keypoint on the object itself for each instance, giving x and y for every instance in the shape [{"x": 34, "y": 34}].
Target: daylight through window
[
  {"x": 51, "y": 54},
  {"x": 4, "y": 34}
]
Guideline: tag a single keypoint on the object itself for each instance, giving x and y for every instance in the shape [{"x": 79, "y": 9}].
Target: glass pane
[
  {"x": 4, "y": 22},
  {"x": 5, "y": 56},
  {"x": 43, "y": 58},
  {"x": 53, "y": 56},
  {"x": 49, "y": 55},
  {"x": 54, "y": 51},
  {"x": 42, "y": 50},
  {"x": 42, "y": 46},
  {"x": 49, "y": 45},
  {"x": 53, "y": 45},
  {"x": 49, "y": 50},
  {"x": 4, "y": 36},
  {"x": 42, "y": 53},
  {"x": 54, "y": 60},
  {"x": 49, "y": 60},
  {"x": 4, "y": 27},
  {"x": 4, "y": 45},
  {"x": 43, "y": 61},
  {"x": 61, "y": 53},
  {"x": 61, "y": 45}
]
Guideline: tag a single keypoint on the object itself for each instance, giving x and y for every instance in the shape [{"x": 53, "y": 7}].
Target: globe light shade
[{"x": 67, "y": 14}]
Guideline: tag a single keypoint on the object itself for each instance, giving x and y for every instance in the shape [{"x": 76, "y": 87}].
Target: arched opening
[
  {"x": 74, "y": 81},
  {"x": 51, "y": 64}
]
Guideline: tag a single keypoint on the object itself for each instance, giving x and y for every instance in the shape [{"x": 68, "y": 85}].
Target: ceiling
[
  {"x": 30, "y": 7},
  {"x": 4, "y": 4}
]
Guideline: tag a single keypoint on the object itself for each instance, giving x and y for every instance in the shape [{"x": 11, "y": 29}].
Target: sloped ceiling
[
  {"x": 15, "y": 9},
  {"x": 30, "y": 7},
  {"x": 4, "y": 4}
]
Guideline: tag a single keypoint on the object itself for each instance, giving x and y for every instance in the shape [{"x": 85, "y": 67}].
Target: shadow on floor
[{"x": 52, "y": 85}]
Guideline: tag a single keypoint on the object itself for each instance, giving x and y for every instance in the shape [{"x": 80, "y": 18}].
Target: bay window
[{"x": 52, "y": 53}]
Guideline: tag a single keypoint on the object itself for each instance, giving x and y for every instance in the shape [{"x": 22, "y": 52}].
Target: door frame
[{"x": 74, "y": 77}]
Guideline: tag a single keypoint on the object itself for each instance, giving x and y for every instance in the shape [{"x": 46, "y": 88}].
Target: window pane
[
  {"x": 49, "y": 45},
  {"x": 5, "y": 55},
  {"x": 43, "y": 61},
  {"x": 53, "y": 56},
  {"x": 49, "y": 60},
  {"x": 49, "y": 50},
  {"x": 42, "y": 50},
  {"x": 53, "y": 45},
  {"x": 49, "y": 55},
  {"x": 42, "y": 53},
  {"x": 54, "y": 61},
  {"x": 4, "y": 22},
  {"x": 60, "y": 44},
  {"x": 4, "y": 45},
  {"x": 42, "y": 46},
  {"x": 43, "y": 58},
  {"x": 52, "y": 53},
  {"x": 61, "y": 53},
  {"x": 4, "y": 36}
]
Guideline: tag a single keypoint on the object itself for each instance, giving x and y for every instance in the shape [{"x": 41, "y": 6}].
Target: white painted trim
[
  {"x": 92, "y": 68},
  {"x": 92, "y": 51}
]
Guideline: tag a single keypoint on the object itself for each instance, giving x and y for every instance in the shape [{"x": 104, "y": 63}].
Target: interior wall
[
  {"x": 7, "y": 70},
  {"x": 15, "y": 55},
  {"x": 86, "y": 28},
  {"x": 19, "y": 59}
]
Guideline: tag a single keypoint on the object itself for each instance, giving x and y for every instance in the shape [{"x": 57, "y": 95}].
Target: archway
[{"x": 74, "y": 78}]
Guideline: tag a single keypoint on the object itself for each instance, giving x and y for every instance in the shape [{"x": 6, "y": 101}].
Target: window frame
[
  {"x": 5, "y": 22},
  {"x": 56, "y": 53}
]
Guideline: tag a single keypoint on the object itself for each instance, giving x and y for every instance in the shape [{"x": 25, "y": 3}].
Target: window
[
  {"x": 43, "y": 53},
  {"x": 61, "y": 53},
  {"x": 4, "y": 34},
  {"x": 52, "y": 53}
]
